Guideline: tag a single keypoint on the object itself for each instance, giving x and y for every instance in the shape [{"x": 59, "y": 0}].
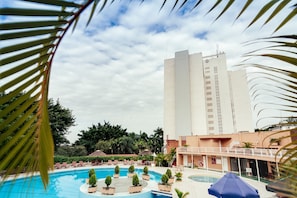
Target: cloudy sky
[{"x": 112, "y": 70}]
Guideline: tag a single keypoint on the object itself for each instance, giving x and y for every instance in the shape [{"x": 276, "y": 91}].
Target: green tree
[
  {"x": 61, "y": 119},
  {"x": 71, "y": 151},
  {"x": 156, "y": 142},
  {"x": 104, "y": 145},
  {"x": 126, "y": 145},
  {"x": 89, "y": 138},
  {"x": 44, "y": 37}
]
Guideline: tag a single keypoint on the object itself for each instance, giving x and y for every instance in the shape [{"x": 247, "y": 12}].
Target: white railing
[{"x": 269, "y": 152}]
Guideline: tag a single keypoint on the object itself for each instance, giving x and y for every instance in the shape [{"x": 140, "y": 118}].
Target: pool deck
[
  {"x": 200, "y": 189},
  {"x": 196, "y": 189}
]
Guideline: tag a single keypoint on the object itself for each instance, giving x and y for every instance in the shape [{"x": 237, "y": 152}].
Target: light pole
[{"x": 154, "y": 155}]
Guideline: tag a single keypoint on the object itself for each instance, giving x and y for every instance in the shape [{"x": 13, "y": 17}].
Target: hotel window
[
  {"x": 209, "y": 110},
  {"x": 207, "y": 82},
  {"x": 208, "y": 93},
  {"x": 210, "y": 122},
  {"x": 209, "y": 104},
  {"x": 208, "y": 87},
  {"x": 210, "y": 116},
  {"x": 210, "y": 128},
  {"x": 208, "y": 99}
]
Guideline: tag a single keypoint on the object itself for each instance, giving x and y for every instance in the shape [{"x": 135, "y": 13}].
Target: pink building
[{"x": 254, "y": 154}]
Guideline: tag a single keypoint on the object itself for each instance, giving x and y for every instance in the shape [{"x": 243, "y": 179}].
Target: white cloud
[{"x": 115, "y": 72}]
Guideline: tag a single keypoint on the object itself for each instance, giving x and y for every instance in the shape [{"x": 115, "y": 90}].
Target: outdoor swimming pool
[
  {"x": 64, "y": 184},
  {"x": 204, "y": 178}
]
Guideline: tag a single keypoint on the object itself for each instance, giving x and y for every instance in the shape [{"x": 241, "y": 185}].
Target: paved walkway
[{"x": 120, "y": 184}]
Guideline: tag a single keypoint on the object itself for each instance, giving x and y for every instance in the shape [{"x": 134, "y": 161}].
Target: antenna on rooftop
[{"x": 217, "y": 50}]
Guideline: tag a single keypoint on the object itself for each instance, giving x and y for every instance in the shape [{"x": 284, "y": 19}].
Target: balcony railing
[{"x": 271, "y": 153}]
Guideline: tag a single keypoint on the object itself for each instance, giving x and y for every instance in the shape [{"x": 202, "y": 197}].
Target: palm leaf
[{"x": 25, "y": 136}]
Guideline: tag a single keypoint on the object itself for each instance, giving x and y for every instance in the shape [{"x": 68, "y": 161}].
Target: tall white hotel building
[{"x": 202, "y": 98}]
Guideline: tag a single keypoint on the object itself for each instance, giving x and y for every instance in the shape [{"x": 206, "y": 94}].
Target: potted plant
[
  {"x": 136, "y": 186},
  {"x": 275, "y": 141},
  {"x": 131, "y": 171},
  {"x": 181, "y": 194},
  {"x": 170, "y": 178},
  {"x": 247, "y": 146},
  {"x": 91, "y": 172},
  {"x": 145, "y": 175},
  {"x": 178, "y": 176},
  {"x": 116, "y": 172},
  {"x": 164, "y": 186},
  {"x": 108, "y": 190},
  {"x": 92, "y": 184}
]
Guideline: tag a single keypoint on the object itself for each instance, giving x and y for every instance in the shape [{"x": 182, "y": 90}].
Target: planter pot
[
  {"x": 171, "y": 180},
  {"x": 116, "y": 175},
  {"x": 164, "y": 187},
  {"x": 108, "y": 191},
  {"x": 146, "y": 177},
  {"x": 130, "y": 175},
  {"x": 92, "y": 189},
  {"x": 135, "y": 189}
]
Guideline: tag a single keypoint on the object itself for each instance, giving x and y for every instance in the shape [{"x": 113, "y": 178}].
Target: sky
[{"x": 112, "y": 70}]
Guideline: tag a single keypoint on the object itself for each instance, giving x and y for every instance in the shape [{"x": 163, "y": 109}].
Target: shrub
[
  {"x": 131, "y": 169},
  {"x": 181, "y": 194},
  {"x": 169, "y": 173},
  {"x": 164, "y": 179},
  {"x": 117, "y": 169},
  {"x": 93, "y": 180},
  {"x": 108, "y": 181},
  {"x": 145, "y": 170},
  {"x": 135, "y": 180},
  {"x": 91, "y": 172},
  {"x": 178, "y": 176}
]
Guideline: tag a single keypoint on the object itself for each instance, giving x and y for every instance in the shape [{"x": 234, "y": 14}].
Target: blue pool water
[
  {"x": 203, "y": 178},
  {"x": 64, "y": 184}
]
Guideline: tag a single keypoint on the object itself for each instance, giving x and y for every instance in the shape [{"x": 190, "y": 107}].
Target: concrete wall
[{"x": 243, "y": 119}]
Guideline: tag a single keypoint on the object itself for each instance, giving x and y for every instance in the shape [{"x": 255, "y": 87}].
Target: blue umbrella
[{"x": 231, "y": 186}]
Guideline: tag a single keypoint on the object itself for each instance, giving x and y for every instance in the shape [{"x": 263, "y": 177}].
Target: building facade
[
  {"x": 252, "y": 154},
  {"x": 202, "y": 98}
]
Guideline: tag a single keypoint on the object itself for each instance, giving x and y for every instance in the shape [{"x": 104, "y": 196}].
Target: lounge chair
[
  {"x": 109, "y": 162},
  {"x": 57, "y": 165},
  {"x": 64, "y": 165},
  {"x": 74, "y": 164},
  {"x": 81, "y": 164}
]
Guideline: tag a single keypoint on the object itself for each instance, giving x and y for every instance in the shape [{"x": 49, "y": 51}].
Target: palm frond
[
  {"x": 264, "y": 10},
  {"x": 25, "y": 137}
]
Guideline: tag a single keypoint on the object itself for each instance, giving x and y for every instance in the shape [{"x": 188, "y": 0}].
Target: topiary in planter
[
  {"x": 91, "y": 172},
  {"x": 164, "y": 179},
  {"x": 169, "y": 173},
  {"x": 145, "y": 170},
  {"x": 178, "y": 176},
  {"x": 117, "y": 169},
  {"x": 108, "y": 181},
  {"x": 131, "y": 169},
  {"x": 93, "y": 180},
  {"x": 135, "y": 180}
]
